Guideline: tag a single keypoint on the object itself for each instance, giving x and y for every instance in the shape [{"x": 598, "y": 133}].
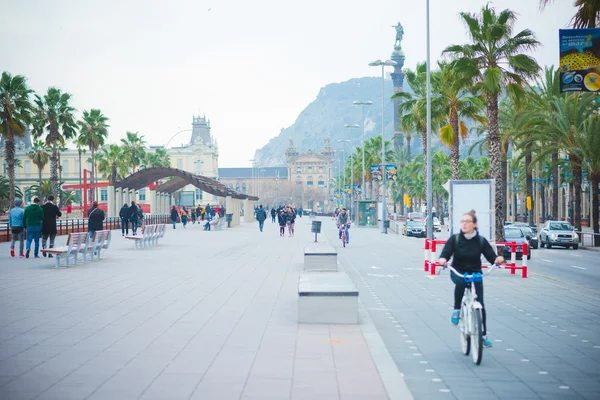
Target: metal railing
[
  {"x": 66, "y": 226},
  {"x": 586, "y": 239}
]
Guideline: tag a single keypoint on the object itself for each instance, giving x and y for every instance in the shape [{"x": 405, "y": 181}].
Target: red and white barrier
[{"x": 432, "y": 247}]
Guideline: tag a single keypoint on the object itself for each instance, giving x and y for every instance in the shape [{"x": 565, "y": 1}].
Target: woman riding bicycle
[{"x": 467, "y": 248}]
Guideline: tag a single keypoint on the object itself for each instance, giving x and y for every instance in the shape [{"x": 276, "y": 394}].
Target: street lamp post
[
  {"x": 363, "y": 104},
  {"x": 429, "y": 173},
  {"x": 351, "y": 178},
  {"x": 383, "y": 64}
]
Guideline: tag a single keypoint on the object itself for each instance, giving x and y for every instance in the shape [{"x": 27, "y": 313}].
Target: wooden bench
[
  {"x": 149, "y": 237},
  {"x": 81, "y": 244}
]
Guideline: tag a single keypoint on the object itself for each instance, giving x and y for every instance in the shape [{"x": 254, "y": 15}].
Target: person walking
[
  {"x": 261, "y": 216},
  {"x": 184, "y": 217},
  {"x": 282, "y": 222},
  {"x": 174, "y": 216},
  {"x": 193, "y": 215},
  {"x": 134, "y": 217},
  {"x": 292, "y": 221},
  {"x": 17, "y": 227},
  {"x": 95, "y": 219},
  {"x": 51, "y": 213},
  {"x": 273, "y": 214},
  {"x": 33, "y": 217},
  {"x": 124, "y": 215}
]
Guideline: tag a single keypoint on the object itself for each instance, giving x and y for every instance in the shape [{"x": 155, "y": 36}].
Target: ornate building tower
[
  {"x": 201, "y": 131},
  {"x": 398, "y": 79}
]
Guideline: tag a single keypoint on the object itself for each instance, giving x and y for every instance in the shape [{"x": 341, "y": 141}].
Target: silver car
[{"x": 558, "y": 233}]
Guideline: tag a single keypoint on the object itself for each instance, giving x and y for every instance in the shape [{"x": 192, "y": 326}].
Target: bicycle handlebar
[{"x": 454, "y": 271}]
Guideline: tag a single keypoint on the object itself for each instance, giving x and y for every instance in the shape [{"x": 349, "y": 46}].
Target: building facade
[
  {"x": 199, "y": 156},
  {"x": 270, "y": 184},
  {"x": 310, "y": 176}
]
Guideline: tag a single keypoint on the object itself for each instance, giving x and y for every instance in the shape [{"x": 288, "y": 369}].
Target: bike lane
[{"x": 545, "y": 333}]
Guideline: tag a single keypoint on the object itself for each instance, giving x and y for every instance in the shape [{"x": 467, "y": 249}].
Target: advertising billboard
[{"x": 579, "y": 60}]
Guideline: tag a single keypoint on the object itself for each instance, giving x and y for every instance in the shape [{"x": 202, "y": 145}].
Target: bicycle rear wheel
[
  {"x": 344, "y": 239},
  {"x": 477, "y": 336},
  {"x": 463, "y": 328}
]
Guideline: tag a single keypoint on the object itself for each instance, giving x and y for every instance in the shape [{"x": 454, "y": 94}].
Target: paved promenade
[{"x": 204, "y": 315}]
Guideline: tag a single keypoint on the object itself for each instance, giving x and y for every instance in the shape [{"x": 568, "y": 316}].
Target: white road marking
[
  {"x": 575, "y": 266},
  {"x": 563, "y": 387},
  {"x": 575, "y": 255},
  {"x": 374, "y": 267},
  {"x": 550, "y": 261}
]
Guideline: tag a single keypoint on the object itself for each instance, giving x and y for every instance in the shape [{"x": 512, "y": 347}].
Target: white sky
[{"x": 250, "y": 65}]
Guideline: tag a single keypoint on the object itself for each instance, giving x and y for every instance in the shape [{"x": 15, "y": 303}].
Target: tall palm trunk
[
  {"x": 576, "y": 165},
  {"x": 40, "y": 180},
  {"x": 495, "y": 149},
  {"x": 9, "y": 150},
  {"x": 594, "y": 180},
  {"x": 408, "y": 140},
  {"x": 529, "y": 184},
  {"x": 93, "y": 172},
  {"x": 554, "y": 186},
  {"x": 54, "y": 163},
  {"x": 454, "y": 149},
  {"x": 504, "y": 171},
  {"x": 80, "y": 180}
]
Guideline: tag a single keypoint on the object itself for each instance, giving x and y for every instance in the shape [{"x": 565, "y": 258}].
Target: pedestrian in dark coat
[
  {"x": 51, "y": 213},
  {"x": 261, "y": 216},
  {"x": 124, "y": 215},
  {"x": 134, "y": 217},
  {"x": 95, "y": 219},
  {"x": 282, "y": 222},
  {"x": 174, "y": 216}
]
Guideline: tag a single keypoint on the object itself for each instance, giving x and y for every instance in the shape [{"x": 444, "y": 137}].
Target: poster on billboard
[
  {"x": 357, "y": 188},
  {"x": 375, "y": 172},
  {"x": 391, "y": 172},
  {"x": 347, "y": 188},
  {"x": 579, "y": 60}
]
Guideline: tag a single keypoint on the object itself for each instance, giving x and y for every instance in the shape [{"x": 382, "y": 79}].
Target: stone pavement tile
[
  {"x": 172, "y": 386},
  {"x": 267, "y": 388},
  {"x": 78, "y": 384},
  {"x": 230, "y": 366},
  {"x": 512, "y": 391},
  {"x": 315, "y": 385},
  {"x": 210, "y": 390},
  {"x": 552, "y": 391}
]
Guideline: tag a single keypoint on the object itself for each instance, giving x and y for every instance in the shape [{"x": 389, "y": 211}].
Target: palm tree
[
  {"x": 587, "y": 15},
  {"x": 15, "y": 114},
  {"x": 54, "y": 114},
  {"x": 80, "y": 151},
  {"x": 93, "y": 131},
  {"x": 158, "y": 158},
  {"x": 5, "y": 188},
  {"x": 135, "y": 146},
  {"x": 111, "y": 163},
  {"x": 39, "y": 155},
  {"x": 450, "y": 91},
  {"x": 587, "y": 142},
  {"x": 494, "y": 61}
]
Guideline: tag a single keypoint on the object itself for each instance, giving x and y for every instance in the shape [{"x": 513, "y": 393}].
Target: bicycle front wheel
[
  {"x": 477, "y": 336},
  {"x": 463, "y": 328}
]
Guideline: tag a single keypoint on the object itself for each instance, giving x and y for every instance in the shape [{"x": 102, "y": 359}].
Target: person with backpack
[
  {"x": 33, "y": 217},
  {"x": 466, "y": 248},
  {"x": 133, "y": 217},
  {"x": 51, "y": 213},
  {"x": 282, "y": 222}
]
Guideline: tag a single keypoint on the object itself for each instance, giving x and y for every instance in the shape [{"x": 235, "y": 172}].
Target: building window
[
  {"x": 65, "y": 167},
  {"x": 179, "y": 163},
  {"x": 321, "y": 184},
  {"x": 243, "y": 188},
  {"x": 89, "y": 166},
  {"x": 309, "y": 183},
  {"x": 77, "y": 166},
  {"x": 27, "y": 167},
  {"x": 298, "y": 182},
  {"x": 321, "y": 169},
  {"x": 27, "y": 195},
  {"x": 309, "y": 169},
  {"x": 298, "y": 170},
  {"x": 198, "y": 194},
  {"x": 142, "y": 194},
  {"x": 103, "y": 195},
  {"x": 237, "y": 187}
]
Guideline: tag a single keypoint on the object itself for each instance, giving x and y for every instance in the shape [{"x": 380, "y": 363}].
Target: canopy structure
[{"x": 179, "y": 179}]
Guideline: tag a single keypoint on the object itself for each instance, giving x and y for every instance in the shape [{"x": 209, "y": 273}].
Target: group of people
[
  {"x": 131, "y": 214},
  {"x": 285, "y": 215},
  {"x": 38, "y": 221},
  {"x": 211, "y": 215}
]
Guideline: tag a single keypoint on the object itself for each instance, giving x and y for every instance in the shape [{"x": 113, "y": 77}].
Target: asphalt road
[{"x": 545, "y": 329}]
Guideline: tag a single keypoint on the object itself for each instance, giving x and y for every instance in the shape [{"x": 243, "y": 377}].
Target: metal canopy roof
[{"x": 179, "y": 179}]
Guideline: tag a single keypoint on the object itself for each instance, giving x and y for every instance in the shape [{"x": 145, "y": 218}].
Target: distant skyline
[{"x": 250, "y": 67}]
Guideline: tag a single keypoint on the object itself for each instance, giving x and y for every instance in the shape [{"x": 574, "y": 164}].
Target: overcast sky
[{"x": 250, "y": 65}]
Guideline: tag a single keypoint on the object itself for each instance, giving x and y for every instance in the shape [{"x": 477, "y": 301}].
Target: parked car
[
  {"x": 529, "y": 232},
  {"x": 414, "y": 228},
  {"x": 437, "y": 226},
  {"x": 416, "y": 216},
  {"x": 517, "y": 236},
  {"x": 558, "y": 233}
]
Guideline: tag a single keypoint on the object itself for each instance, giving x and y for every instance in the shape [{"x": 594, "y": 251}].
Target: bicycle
[
  {"x": 470, "y": 323},
  {"x": 344, "y": 229}
]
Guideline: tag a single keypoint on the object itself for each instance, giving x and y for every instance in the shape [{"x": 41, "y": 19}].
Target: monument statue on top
[{"x": 399, "y": 35}]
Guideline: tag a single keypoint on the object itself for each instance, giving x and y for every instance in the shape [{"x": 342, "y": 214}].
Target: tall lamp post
[
  {"x": 383, "y": 64},
  {"x": 351, "y": 177},
  {"x": 341, "y": 170},
  {"x": 363, "y": 104}
]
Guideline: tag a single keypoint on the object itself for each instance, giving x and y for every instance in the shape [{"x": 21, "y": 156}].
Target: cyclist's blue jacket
[{"x": 467, "y": 252}]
